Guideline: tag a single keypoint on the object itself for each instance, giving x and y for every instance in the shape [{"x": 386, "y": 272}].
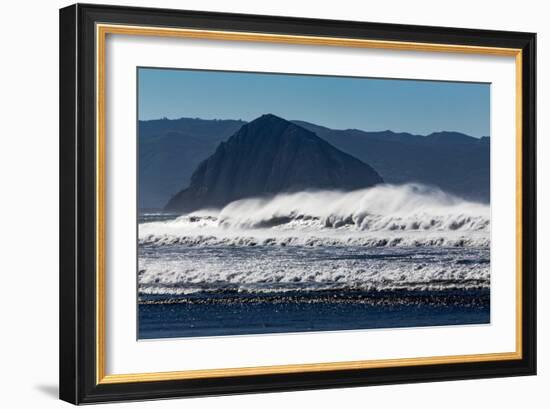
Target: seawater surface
[{"x": 385, "y": 257}]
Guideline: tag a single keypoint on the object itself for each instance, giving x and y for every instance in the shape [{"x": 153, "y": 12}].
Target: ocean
[{"x": 384, "y": 257}]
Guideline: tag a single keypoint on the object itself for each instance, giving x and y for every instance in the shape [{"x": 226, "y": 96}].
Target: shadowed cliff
[{"x": 267, "y": 156}]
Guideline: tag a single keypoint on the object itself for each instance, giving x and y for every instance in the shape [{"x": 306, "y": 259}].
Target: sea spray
[
  {"x": 382, "y": 244},
  {"x": 386, "y": 215}
]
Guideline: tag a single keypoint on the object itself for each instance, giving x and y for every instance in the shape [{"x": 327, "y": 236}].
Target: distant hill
[
  {"x": 267, "y": 156},
  {"x": 170, "y": 150},
  {"x": 455, "y": 162}
]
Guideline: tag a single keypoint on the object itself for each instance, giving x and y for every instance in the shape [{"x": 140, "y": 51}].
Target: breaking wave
[
  {"x": 261, "y": 271},
  {"x": 385, "y": 215},
  {"x": 386, "y": 238}
]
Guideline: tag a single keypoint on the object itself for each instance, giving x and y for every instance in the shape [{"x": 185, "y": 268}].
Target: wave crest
[
  {"x": 385, "y": 207},
  {"x": 386, "y": 215}
]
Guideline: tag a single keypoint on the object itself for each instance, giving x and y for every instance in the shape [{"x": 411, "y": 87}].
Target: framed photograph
[{"x": 257, "y": 203}]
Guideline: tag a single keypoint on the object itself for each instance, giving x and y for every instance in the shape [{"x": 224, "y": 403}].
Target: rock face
[
  {"x": 170, "y": 150},
  {"x": 267, "y": 156}
]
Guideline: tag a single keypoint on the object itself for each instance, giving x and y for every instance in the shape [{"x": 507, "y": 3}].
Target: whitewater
[
  {"x": 385, "y": 238},
  {"x": 410, "y": 215}
]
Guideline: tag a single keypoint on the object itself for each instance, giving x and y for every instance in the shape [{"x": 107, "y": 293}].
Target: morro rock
[{"x": 268, "y": 156}]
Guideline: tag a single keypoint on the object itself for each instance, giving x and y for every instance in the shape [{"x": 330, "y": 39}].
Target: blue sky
[{"x": 419, "y": 107}]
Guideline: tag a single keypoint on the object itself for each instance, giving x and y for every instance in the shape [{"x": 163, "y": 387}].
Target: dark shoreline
[
  {"x": 464, "y": 297},
  {"x": 231, "y": 313}
]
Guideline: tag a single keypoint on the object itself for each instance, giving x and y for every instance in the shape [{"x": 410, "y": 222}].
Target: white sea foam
[
  {"x": 308, "y": 269},
  {"x": 384, "y": 238},
  {"x": 386, "y": 215}
]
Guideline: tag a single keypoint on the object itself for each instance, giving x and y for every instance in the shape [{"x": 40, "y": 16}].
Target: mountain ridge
[
  {"x": 267, "y": 156},
  {"x": 455, "y": 162},
  {"x": 171, "y": 149}
]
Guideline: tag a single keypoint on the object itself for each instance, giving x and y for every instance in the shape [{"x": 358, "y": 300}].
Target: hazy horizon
[
  {"x": 300, "y": 120},
  {"x": 417, "y": 107}
]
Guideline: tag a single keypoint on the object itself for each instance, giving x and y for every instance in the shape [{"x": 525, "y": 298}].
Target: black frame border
[{"x": 77, "y": 315}]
